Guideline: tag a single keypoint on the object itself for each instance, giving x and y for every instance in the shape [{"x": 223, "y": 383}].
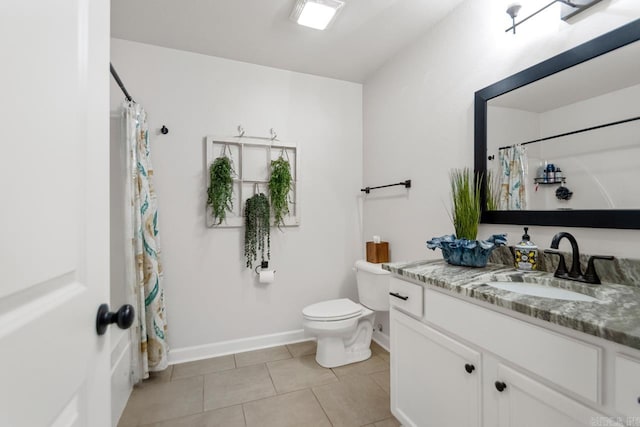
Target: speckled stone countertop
[{"x": 614, "y": 317}]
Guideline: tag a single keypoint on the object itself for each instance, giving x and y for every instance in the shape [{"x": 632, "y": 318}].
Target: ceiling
[{"x": 364, "y": 36}]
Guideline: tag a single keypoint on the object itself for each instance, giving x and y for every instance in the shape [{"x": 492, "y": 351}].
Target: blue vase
[{"x": 468, "y": 253}]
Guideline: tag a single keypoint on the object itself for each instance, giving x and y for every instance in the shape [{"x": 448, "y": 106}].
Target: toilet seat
[{"x": 332, "y": 310}]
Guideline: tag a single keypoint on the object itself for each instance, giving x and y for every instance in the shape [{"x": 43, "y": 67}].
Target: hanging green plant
[
  {"x": 257, "y": 236},
  {"x": 220, "y": 188},
  {"x": 279, "y": 187}
]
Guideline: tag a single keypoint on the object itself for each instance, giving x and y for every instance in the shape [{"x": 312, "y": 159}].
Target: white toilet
[{"x": 343, "y": 327}]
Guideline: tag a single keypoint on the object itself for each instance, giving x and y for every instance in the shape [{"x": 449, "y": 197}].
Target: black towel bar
[{"x": 407, "y": 184}]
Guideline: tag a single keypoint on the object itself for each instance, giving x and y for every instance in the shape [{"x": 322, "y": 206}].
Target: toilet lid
[{"x": 335, "y": 309}]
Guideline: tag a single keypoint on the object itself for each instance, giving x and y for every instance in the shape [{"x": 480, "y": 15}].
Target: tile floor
[{"x": 279, "y": 386}]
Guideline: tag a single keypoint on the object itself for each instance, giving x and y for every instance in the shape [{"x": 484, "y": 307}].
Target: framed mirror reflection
[{"x": 559, "y": 143}]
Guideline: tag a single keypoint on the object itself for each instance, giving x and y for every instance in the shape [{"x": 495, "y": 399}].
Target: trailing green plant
[
  {"x": 279, "y": 188},
  {"x": 257, "y": 236},
  {"x": 465, "y": 198},
  {"x": 493, "y": 191},
  {"x": 220, "y": 191}
]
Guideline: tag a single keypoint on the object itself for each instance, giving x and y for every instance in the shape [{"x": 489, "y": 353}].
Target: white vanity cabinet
[
  {"x": 434, "y": 379},
  {"x": 524, "y": 401},
  {"x": 627, "y": 386},
  {"x": 456, "y": 363}
]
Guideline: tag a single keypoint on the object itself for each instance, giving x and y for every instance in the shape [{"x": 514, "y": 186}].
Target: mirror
[{"x": 559, "y": 138}]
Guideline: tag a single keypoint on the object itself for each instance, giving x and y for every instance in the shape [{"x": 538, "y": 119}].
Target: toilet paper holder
[{"x": 263, "y": 265}]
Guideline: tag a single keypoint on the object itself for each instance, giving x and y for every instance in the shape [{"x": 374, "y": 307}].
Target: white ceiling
[{"x": 365, "y": 34}]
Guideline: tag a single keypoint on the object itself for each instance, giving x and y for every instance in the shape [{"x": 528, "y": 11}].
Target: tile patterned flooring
[{"x": 274, "y": 387}]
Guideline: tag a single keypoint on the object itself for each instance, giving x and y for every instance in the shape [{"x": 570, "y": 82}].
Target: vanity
[
  {"x": 464, "y": 353},
  {"x": 495, "y": 347}
]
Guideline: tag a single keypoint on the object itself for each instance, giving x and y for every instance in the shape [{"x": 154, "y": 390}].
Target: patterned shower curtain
[
  {"x": 143, "y": 256},
  {"x": 513, "y": 165}
]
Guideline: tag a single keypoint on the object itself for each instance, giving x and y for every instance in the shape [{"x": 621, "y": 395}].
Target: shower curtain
[
  {"x": 143, "y": 256},
  {"x": 513, "y": 165}
]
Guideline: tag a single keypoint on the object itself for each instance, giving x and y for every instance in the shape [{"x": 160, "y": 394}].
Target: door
[
  {"x": 524, "y": 402},
  {"x": 54, "y": 246},
  {"x": 434, "y": 379}
]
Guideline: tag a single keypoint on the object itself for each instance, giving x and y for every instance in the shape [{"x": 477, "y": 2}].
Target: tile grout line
[
  {"x": 321, "y": 407},
  {"x": 273, "y": 384},
  {"x": 244, "y": 415},
  {"x": 288, "y": 351},
  {"x": 203, "y": 387},
  {"x": 248, "y": 401}
]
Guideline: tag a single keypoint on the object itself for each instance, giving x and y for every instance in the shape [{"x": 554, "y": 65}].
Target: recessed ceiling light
[{"x": 318, "y": 14}]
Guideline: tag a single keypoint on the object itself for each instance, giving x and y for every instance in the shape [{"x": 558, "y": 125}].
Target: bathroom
[{"x": 407, "y": 116}]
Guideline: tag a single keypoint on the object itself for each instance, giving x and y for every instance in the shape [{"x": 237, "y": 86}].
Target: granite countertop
[{"x": 614, "y": 317}]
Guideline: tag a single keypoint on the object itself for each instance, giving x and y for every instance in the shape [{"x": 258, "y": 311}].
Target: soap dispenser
[{"x": 526, "y": 253}]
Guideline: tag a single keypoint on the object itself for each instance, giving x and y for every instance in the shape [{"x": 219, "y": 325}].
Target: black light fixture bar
[
  {"x": 574, "y": 6},
  {"x": 513, "y": 15}
]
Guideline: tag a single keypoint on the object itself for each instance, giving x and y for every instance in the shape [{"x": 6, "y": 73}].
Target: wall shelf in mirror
[
  {"x": 542, "y": 181},
  {"x": 598, "y": 148}
]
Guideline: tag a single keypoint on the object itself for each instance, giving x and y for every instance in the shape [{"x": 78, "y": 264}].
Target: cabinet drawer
[
  {"x": 627, "y": 386},
  {"x": 565, "y": 361},
  {"x": 406, "y": 296}
]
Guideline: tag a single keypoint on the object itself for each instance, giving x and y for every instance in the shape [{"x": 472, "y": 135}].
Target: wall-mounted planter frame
[{"x": 251, "y": 160}]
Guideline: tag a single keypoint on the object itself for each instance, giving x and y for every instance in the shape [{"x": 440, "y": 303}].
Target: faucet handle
[
  {"x": 590, "y": 275},
  {"x": 562, "y": 266}
]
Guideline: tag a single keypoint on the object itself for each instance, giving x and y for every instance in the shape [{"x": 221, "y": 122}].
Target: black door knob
[
  {"x": 500, "y": 386},
  {"x": 469, "y": 368},
  {"x": 123, "y": 317}
]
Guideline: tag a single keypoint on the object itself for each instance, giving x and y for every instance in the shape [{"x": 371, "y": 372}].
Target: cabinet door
[
  {"x": 524, "y": 402},
  {"x": 434, "y": 379}
]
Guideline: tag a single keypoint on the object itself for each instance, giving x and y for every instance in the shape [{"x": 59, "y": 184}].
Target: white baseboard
[
  {"x": 382, "y": 340},
  {"x": 120, "y": 374},
  {"x": 189, "y": 354}
]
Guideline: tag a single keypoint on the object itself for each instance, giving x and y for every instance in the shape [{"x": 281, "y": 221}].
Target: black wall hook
[{"x": 164, "y": 130}]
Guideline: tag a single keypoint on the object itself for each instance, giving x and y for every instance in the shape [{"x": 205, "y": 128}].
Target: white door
[
  {"x": 435, "y": 381},
  {"x": 54, "y": 221}
]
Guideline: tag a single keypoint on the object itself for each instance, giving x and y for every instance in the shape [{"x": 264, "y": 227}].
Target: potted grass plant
[{"x": 462, "y": 248}]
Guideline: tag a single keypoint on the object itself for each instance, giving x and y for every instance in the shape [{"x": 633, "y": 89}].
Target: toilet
[{"x": 343, "y": 327}]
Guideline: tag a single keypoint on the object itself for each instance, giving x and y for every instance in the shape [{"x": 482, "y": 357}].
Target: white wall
[
  {"x": 211, "y": 296},
  {"x": 418, "y": 118},
  {"x": 594, "y": 163}
]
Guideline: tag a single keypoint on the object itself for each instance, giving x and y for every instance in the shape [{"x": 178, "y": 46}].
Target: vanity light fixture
[
  {"x": 317, "y": 14},
  {"x": 570, "y": 8}
]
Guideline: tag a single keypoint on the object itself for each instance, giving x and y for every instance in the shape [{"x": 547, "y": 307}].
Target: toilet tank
[{"x": 373, "y": 285}]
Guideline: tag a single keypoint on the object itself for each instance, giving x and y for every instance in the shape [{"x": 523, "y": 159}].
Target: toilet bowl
[{"x": 343, "y": 327}]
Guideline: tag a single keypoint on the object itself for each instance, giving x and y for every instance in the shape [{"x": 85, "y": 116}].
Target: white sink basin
[{"x": 541, "y": 291}]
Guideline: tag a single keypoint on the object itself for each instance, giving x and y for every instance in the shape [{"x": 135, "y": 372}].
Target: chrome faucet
[{"x": 590, "y": 276}]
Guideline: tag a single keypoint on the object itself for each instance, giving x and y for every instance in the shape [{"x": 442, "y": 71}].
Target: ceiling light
[{"x": 318, "y": 14}]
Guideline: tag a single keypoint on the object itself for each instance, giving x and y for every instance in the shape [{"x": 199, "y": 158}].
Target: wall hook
[
  {"x": 491, "y": 157},
  {"x": 164, "y": 130},
  {"x": 240, "y": 131},
  {"x": 273, "y": 133}
]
